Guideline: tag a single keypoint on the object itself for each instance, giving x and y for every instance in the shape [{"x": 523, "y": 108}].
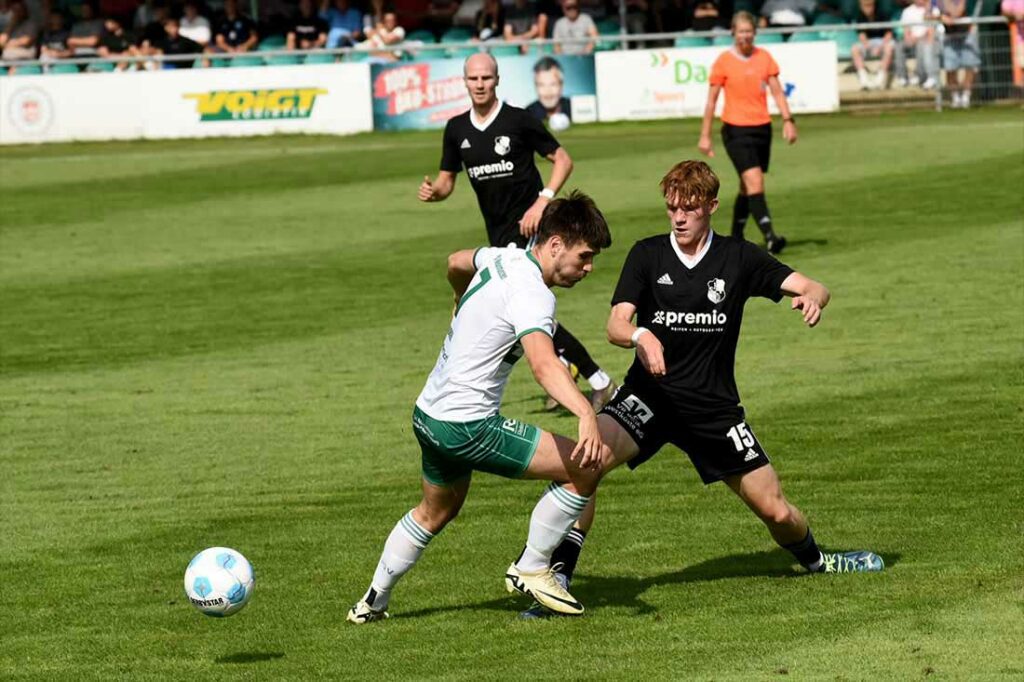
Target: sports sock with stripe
[
  {"x": 568, "y": 553},
  {"x": 740, "y": 213},
  {"x": 759, "y": 207},
  {"x": 553, "y": 517},
  {"x": 407, "y": 541},
  {"x": 806, "y": 552}
]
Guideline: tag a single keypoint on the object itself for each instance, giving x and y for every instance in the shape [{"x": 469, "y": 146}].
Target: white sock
[
  {"x": 407, "y": 541},
  {"x": 552, "y": 519},
  {"x": 599, "y": 380}
]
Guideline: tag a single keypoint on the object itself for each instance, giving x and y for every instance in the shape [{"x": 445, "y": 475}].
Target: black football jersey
[
  {"x": 499, "y": 162},
  {"x": 696, "y": 314}
]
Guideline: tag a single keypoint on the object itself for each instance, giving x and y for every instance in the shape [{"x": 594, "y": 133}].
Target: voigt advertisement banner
[
  {"x": 425, "y": 94},
  {"x": 330, "y": 98},
  {"x": 673, "y": 83}
]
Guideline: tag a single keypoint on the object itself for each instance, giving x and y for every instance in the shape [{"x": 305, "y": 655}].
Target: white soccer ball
[
  {"x": 219, "y": 581},
  {"x": 559, "y": 121}
]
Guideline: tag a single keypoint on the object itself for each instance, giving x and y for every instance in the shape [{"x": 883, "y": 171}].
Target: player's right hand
[
  {"x": 589, "y": 447},
  {"x": 426, "y": 192},
  {"x": 704, "y": 145},
  {"x": 651, "y": 354}
]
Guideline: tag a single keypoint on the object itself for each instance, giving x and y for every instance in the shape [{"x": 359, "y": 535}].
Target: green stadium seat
[
  {"x": 769, "y": 38},
  {"x": 543, "y": 49},
  {"x": 246, "y": 60},
  {"x": 805, "y": 37},
  {"x": 64, "y": 68},
  {"x": 100, "y": 67},
  {"x": 504, "y": 50},
  {"x": 273, "y": 43},
  {"x": 825, "y": 19},
  {"x": 422, "y": 36},
  {"x": 28, "y": 70},
  {"x": 358, "y": 56},
  {"x": 745, "y": 6},
  {"x": 844, "y": 40},
  {"x": 692, "y": 41},
  {"x": 457, "y": 35},
  {"x": 723, "y": 39},
  {"x": 608, "y": 27},
  {"x": 320, "y": 58},
  {"x": 283, "y": 59}
]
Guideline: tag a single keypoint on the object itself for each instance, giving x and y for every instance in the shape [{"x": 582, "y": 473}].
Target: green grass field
[{"x": 219, "y": 343}]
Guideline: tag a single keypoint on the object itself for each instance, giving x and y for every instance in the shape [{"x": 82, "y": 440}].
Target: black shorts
[
  {"x": 748, "y": 146},
  {"x": 719, "y": 444}
]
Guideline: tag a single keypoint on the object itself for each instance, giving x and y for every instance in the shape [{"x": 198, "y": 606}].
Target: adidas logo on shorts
[
  {"x": 665, "y": 279},
  {"x": 751, "y": 454}
]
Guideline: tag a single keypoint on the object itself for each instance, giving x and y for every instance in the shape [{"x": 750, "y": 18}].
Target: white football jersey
[{"x": 506, "y": 300}]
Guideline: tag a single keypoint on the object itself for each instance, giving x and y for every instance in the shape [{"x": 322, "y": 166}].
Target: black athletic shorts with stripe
[
  {"x": 748, "y": 146},
  {"x": 719, "y": 444}
]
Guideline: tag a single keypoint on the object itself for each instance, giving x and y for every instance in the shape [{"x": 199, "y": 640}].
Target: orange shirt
[{"x": 745, "y": 82}]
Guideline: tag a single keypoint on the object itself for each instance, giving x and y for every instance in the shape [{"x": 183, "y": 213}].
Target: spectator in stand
[
  {"x": 919, "y": 40},
  {"x": 1013, "y": 10},
  {"x": 490, "y": 21},
  {"x": 236, "y": 32},
  {"x": 383, "y": 35},
  {"x": 193, "y": 25},
  {"x": 959, "y": 51},
  {"x": 636, "y": 17},
  {"x": 707, "y": 16},
  {"x": 344, "y": 23},
  {"x": 144, "y": 15},
  {"x": 672, "y": 16},
  {"x": 574, "y": 24},
  {"x": 85, "y": 33},
  {"x": 308, "y": 30},
  {"x": 18, "y": 41},
  {"x": 115, "y": 43},
  {"x": 153, "y": 33},
  {"x": 53, "y": 44},
  {"x": 5, "y": 15},
  {"x": 176, "y": 43},
  {"x": 785, "y": 13},
  {"x": 872, "y": 42},
  {"x": 440, "y": 15},
  {"x": 523, "y": 22}
]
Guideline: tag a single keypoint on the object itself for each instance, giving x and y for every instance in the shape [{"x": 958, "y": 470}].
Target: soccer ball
[
  {"x": 558, "y": 122},
  {"x": 219, "y": 581}
]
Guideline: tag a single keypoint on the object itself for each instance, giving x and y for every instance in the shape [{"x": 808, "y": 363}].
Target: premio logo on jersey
[
  {"x": 255, "y": 105},
  {"x": 489, "y": 171},
  {"x": 716, "y": 290},
  {"x": 502, "y": 145},
  {"x": 712, "y": 321}
]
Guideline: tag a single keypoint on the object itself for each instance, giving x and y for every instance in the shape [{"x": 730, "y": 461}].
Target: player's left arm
[
  {"x": 809, "y": 297},
  {"x": 789, "y": 133},
  {"x": 559, "y": 174}
]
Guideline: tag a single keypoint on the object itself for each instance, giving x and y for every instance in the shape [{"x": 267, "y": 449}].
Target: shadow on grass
[
  {"x": 251, "y": 657},
  {"x": 626, "y": 591}
]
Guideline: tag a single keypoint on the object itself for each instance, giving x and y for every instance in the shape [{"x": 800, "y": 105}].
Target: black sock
[
  {"x": 572, "y": 350},
  {"x": 740, "y": 213},
  {"x": 806, "y": 551},
  {"x": 759, "y": 207},
  {"x": 568, "y": 553}
]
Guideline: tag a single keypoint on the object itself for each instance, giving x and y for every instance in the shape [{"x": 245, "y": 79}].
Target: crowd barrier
[{"x": 420, "y": 86}]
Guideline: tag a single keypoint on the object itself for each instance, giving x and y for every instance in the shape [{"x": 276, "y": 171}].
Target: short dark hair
[
  {"x": 546, "y": 64},
  {"x": 575, "y": 219}
]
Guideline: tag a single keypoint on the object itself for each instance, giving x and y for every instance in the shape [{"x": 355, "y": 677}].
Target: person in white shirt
[
  {"x": 574, "y": 24},
  {"x": 195, "y": 26},
  {"x": 920, "y": 40},
  {"x": 505, "y": 310}
]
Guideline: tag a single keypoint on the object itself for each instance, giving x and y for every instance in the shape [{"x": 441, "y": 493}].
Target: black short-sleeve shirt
[
  {"x": 308, "y": 28},
  {"x": 236, "y": 31},
  {"x": 499, "y": 160},
  {"x": 696, "y": 314}
]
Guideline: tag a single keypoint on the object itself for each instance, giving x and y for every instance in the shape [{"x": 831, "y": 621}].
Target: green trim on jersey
[
  {"x": 485, "y": 277},
  {"x": 531, "y": 330},
  {"x": 451, "y": 451},
  {"x": 529, "y": 254}
]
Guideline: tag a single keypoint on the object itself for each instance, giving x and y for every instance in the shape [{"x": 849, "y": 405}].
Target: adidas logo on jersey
[
  {"x": 665, "y": 279},
  {"x": 751, "y": 454},
  {"x": 465, "y": 144}
]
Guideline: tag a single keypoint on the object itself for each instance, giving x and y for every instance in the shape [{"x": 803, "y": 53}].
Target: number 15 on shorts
[{"x": 741, "y": 437}]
